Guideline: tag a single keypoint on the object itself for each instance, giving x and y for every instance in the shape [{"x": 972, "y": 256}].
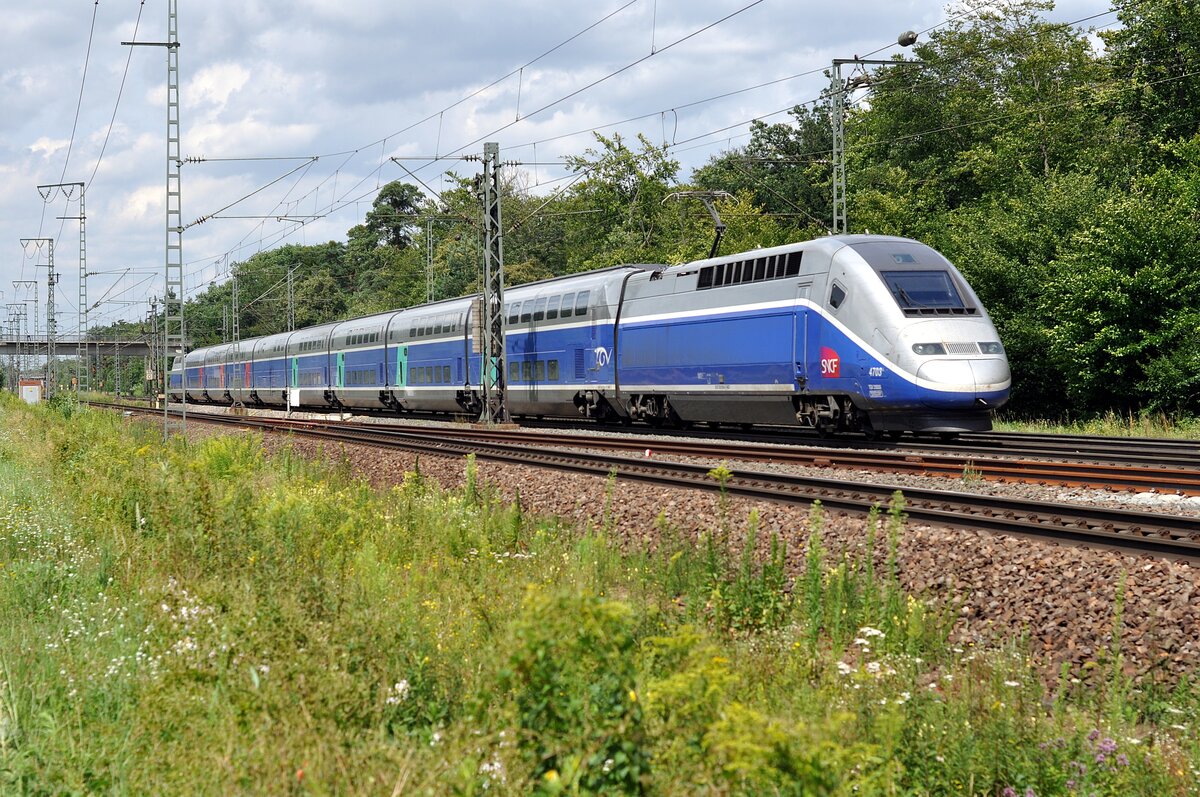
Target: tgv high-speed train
[{"x": 845, "y": 333}]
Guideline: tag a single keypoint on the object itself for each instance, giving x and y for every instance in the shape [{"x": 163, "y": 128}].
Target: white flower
[
  {"x": 873, "y": 667},
  {"x": 398, "y": 692},
  {"x": 437, "y": 737},
  {"x": 867, "y": 630},
  {"x": 1012, "y": 683},
  {"x": 904, "y": 696},
  {"x": 863, "y": 642},
  {"x": 844, "y": 668}
]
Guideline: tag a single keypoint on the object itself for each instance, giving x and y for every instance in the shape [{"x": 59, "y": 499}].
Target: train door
[
  {"x": 802, "y": 334},
  {"x": 401, "y": 365},
  {"x": 341, "y": 369}
]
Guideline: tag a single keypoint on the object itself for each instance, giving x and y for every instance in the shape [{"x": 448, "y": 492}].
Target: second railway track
[{"x": 1132, "y": 531}]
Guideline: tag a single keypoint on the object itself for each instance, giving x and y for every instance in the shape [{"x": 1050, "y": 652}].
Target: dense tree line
[{"x": 1059, "y": 168}]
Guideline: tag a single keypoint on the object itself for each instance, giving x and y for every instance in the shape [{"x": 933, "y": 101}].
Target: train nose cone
[
  {"x": 955, "y": 375},
  {"x": 949, "y": 384},
  {"x": 991, "y": 375}
]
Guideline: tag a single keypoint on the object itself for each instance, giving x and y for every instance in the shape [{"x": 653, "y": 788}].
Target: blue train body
[{"x": 868, "y": 333}]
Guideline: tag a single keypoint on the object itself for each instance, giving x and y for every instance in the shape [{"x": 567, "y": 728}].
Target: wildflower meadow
[{"x": 202, "y": 618}]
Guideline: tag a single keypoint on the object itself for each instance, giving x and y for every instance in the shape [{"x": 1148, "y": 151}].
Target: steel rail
[
  {"x": 1162, "y": 479},
  {"x": 1160, "y": 452},
  {"x": 1127, "y": 530}
]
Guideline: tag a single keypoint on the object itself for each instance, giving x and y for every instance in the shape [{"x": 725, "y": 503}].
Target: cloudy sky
[{"x": 268, "y": 86}]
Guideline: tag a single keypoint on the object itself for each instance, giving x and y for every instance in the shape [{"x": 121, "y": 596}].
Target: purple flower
[
  {"x": 1071, "y": 785},
  {"x": 1094, "y": 735},
  {"x": 1009, "y": 791},
  {"x": 1107, "y": 746},
  {"x": 1029, "y": 792},
  {"x": 1122, "y": 759},
  {"x": 1099, "y": 758}
]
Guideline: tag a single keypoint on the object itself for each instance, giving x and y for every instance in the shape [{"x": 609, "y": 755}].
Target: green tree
[
  {"x": 1156, "y": 57},
  {"x": 618, "y": 204},
  {"x": 318, "y": 300},
  {"x": 393, "y": 216},
  {"x": 786, "y": 169},
  {"x": 1126, "y": 299},
  {"x": 999, "y": 95}
]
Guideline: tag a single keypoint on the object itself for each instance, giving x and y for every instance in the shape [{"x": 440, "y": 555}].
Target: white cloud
[
  {"x": 48, "y": 147},
  {"x": 213, "y": 85}
]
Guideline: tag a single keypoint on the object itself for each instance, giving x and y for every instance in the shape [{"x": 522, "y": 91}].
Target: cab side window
[{"x": 837, "y": 295}]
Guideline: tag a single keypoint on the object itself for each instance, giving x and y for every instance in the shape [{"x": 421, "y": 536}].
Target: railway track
[
  {"x": 1153, "y": 452},
  {"x": 1131, "y": 531},
  {"x": 1162, "y": 478}
]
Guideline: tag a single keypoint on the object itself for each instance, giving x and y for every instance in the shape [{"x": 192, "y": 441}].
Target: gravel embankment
[{"x": 1061, "y": 597}]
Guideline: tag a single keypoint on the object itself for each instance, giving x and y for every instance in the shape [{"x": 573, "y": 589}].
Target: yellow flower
[
  {"x": 632, "y": 696},
  {"x": 551, "y": 776}
]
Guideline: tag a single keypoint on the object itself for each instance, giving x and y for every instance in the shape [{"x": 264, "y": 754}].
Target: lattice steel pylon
[
  {"x": 174, "y": 337},
  {"x": 174, "y": 340},
  {"x": 51, "y": 316},
  {"x": 491, "y": 367},
  {"x": 48, "y": 192},
  {"x": 82, "y": 382},
  {"x": 837, "y": 117},
  {"x": 838, "y": 89}
]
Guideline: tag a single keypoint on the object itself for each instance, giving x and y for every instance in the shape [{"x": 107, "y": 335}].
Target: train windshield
[{"x": 921, "y": 290}]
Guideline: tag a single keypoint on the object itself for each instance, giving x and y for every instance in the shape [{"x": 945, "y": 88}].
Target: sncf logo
[{"x": 831, "y": 364}]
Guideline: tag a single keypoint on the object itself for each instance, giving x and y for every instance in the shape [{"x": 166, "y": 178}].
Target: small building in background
[{"x": 32, "y": 390}]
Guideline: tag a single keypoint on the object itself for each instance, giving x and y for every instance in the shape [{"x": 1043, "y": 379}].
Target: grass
[
  {"x": 1110, "y": 424},
  {"x": 207, "y": 620}
]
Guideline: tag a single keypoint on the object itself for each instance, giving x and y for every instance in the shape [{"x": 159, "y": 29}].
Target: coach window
[
  {"x": 539, "y": 309},
  {"x": 446, "y": 374},
  {"x": 552, "y": 308},
  {"x": 553, "y": 369},
  {"x": 513, "y": 312},
  {"x": 581, "y": 302},
  {"x": 539, "y": 371},
  {"x": 567, "y": 303},
  {"x": 526, "y": 311},
  {"x": 514, "y": 372},
  {"x": 837, "y": 295},
  {"x": 527, "y": 371}
]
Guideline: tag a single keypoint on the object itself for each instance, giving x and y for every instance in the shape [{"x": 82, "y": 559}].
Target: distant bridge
[{"x": 66, "y": 346}]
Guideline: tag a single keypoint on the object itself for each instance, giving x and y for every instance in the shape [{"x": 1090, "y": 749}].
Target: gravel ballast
[{"x": 1062, "y": 598}]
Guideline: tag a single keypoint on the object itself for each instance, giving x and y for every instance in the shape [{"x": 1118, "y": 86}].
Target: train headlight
[
  {"x": 929, "y": 348},
  {"x": 992, "y": 347}
]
